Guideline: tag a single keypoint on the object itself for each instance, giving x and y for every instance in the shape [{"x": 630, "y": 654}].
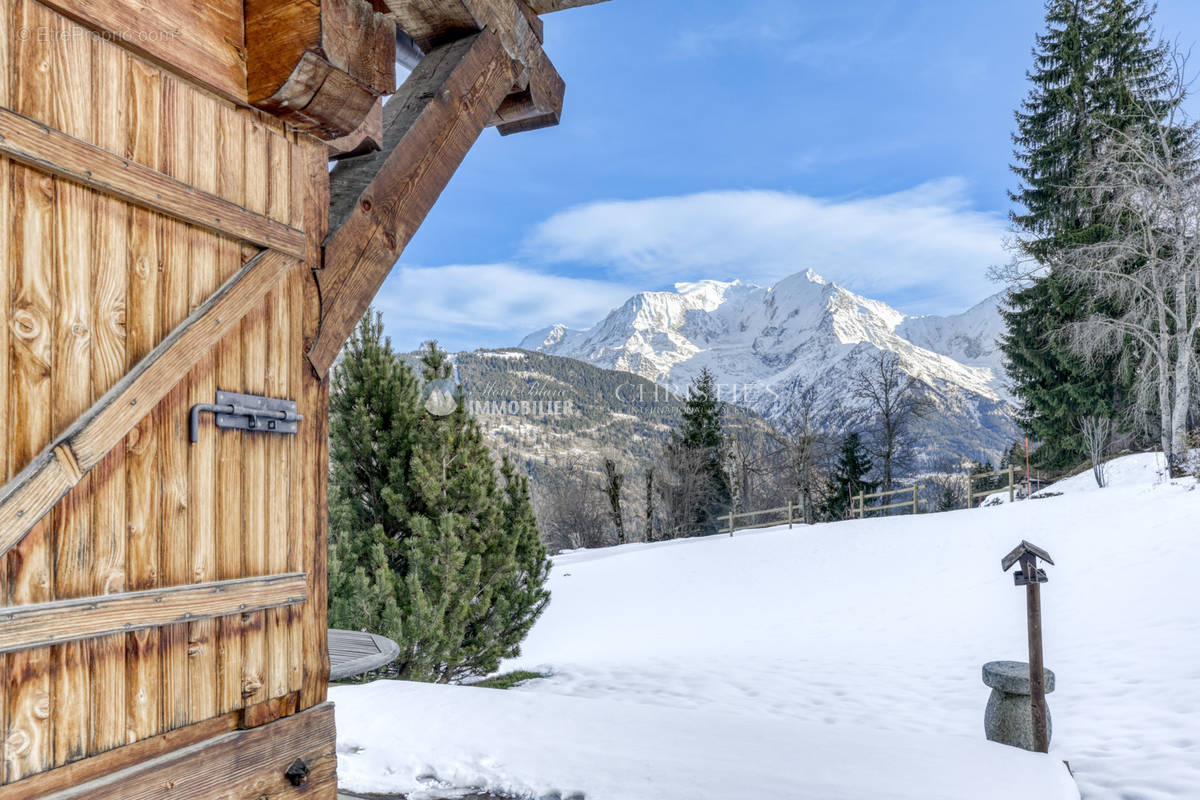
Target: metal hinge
[{"x": 248, "y": 412}]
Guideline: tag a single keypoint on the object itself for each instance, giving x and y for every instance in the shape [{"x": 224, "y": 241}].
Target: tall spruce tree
[
  {"x": 429, "y": 545},
  {"x": 1097, "y": 68},
  {"x": 700, "y": 446}
]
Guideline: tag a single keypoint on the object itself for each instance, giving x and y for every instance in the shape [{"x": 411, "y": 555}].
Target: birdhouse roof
[{"x": 1020, "y": 550}]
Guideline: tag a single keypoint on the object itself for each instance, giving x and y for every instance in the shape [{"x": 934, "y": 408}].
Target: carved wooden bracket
[{"x": 319, "y": 66}]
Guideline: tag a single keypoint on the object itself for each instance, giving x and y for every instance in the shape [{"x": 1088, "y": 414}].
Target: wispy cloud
[
  {"x": 925, "y": 242},
  {"x": 833, "y": 37},
  {"x": 467, "y": 306}
]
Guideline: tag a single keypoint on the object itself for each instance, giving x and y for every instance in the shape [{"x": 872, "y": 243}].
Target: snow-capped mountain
[{"x": 766, "y": 345}]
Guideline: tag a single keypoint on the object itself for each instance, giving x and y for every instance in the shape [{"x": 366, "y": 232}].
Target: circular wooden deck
[{"x": 355, "y": 652}]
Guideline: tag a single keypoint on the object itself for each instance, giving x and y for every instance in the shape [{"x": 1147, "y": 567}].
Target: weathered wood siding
[{"x": 90, "y": 282}]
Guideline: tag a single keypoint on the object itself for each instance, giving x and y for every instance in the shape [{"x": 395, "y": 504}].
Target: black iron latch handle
[{"x": 246, "y": 412}]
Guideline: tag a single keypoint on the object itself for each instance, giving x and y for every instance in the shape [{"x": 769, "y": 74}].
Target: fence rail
[
  {"x": 1010, "y": 473},
  {"x": 859, "y": 507},
  {"x": 731, "y": 518}
]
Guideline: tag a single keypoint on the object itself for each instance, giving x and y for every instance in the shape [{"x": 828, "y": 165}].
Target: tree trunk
[{"x": 1180, "y": 407}]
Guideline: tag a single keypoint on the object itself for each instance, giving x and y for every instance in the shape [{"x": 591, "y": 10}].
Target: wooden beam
[
  {"x": 433, "y": 23},
  {"x": 241, "y": 765},
  {"x": 537, "y": 97},
  {"x": 379, "y": 200},
  {"x": 31, "y": 494},
  {"x": 549, "y": 6},
  {"x": 320, "y": 66},
  {"x": 42, "y": 147},
  {"x": 46, "y": 783},
  {"x": 44, "y": 624},
  {"x": 538, "y": 106}
]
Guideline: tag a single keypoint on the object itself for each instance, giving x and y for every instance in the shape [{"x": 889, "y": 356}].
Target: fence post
[
  {"x": 915, "y": 487},
  {"x": 731, "y": 522},
  {"x": 789, "y": 515},
  {"x": 1011, "y": 485}
]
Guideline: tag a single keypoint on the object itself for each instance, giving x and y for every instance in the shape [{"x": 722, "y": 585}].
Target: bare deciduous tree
[
  {"x": 687, "y": 492},
  {"x": 807, "y": 449},
  {"x": 571, "y": 510},
  {"x": 1145, "y": 186},
  {"x": 1097, "y": 435},
  {"x": 896, "y": 402},
  {"x": 613, "y": 481}
]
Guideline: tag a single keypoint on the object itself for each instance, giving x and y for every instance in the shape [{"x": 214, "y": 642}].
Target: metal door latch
[{"x": 247, "y": 412}]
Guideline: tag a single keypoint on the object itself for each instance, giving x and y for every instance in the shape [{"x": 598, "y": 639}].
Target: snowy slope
[
  {"x": 765, "y": 344},
  {"x": 857, "y": 645}
]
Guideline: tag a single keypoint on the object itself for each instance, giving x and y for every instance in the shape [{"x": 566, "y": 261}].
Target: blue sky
[{"x": 868, "y": 140}]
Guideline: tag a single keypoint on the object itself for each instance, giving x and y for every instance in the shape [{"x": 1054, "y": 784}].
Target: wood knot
[
  {"x": 26, "y": 325},
  {"x": 17, "y": 744}
]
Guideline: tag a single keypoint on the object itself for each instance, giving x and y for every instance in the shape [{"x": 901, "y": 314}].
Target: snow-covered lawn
[{"x": 837, "y": 661}]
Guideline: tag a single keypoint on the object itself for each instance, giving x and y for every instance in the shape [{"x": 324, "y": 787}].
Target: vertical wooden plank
[
  {"x": 29, "y": 743},
  {"x": 277, "y": 447},
  {"x": 298, "y": 363},
  {"x": 5, "y": 236},
  {"x": 29, "y": 740},
  {"x": 254, "y": 488},
  {"x": 71, "y": 379},
  {"x": 231, "y": 179},
  {"x": 7, "y": 72},
  {"x": 202, "y": 465},
  {"x": 254, "y": 455},
  {"x": 314, "y": 402},
  {"x": 172, "y": 411},
  {"x": 143, "y": 711},
  {"x": 109, "y": 267}
]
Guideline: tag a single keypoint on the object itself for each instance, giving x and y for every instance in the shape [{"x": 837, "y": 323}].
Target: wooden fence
[
  {"x": 1011, "y": 487},
  {"x": 859, "y": 507},
  {"x": 788, "y": 512}
]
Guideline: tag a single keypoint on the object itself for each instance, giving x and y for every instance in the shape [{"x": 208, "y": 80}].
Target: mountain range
[{"x": 767, "y": 345}]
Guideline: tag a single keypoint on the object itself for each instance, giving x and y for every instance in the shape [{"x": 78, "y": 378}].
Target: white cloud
[
  {"x": 495, "y": 305},
  {"x": 925, "y": 244}
]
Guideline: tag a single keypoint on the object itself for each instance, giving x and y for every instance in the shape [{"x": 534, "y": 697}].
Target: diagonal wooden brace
[
  {"x": 378, "y": 200},
  {"x": 62, "y": 464}
]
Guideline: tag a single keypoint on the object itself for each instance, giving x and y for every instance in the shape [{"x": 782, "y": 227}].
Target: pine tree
[
  {"x": 849, "y": 477},
  {"x": 698, "y": 446},
  {"x": 372, "y": 414},
  {"x": 1097, "y": 69},
  {"x": 427, "y": 547}
]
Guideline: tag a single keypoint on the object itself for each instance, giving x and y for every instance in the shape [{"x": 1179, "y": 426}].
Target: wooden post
[
  {"x": 1011, "y": 485},
  {"x": 1032, "y": 578},
  {"x": 1037, "y": 686},
  {"x": 731, "y": 523},
  {"x": 1028, "y": 484},
  {"x": 789, "y": 515},
  {"x": 915, "y": 499}
]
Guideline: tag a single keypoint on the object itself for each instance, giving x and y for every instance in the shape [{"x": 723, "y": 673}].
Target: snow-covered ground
[{"x": 837, "y": 661}]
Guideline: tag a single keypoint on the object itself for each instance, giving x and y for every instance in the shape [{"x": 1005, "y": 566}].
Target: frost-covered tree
[{"x": 1144, "y": 184}]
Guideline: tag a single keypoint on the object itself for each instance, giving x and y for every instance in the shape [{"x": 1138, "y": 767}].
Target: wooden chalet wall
[
  {"x": 169, "y": 227},
  {"x": 99, "y": 264}
]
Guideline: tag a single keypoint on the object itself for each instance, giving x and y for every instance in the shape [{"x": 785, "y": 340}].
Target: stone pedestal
[{"x": 1009, "y": 715}]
